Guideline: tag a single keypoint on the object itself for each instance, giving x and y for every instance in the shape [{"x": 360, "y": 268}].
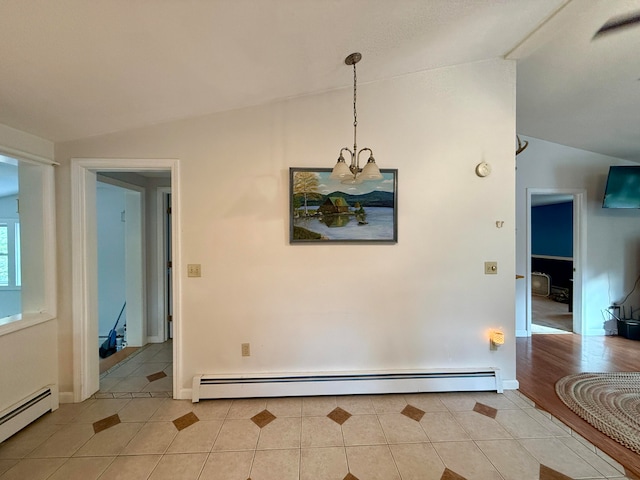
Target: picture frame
[{"x": 323, "y": 210}]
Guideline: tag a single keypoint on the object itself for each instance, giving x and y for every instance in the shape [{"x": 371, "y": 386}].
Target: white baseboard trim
[
  {"x": 66, "y": 397},
  {"x": 184, "y": 394},
  {"x": 155, "y": 339},
  {"x": 510, "y": 384}
]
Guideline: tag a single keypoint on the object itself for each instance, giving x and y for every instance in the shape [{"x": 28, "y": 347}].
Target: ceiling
[{"x": 72, "y": 69}]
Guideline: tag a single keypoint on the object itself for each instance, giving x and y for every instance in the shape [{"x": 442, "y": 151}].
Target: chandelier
[{"x": 352, "y": 174}]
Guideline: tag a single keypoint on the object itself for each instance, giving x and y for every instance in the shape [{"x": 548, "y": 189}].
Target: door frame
[
  {"x": 84, "y": 274},
  {"x": 161, "y": 260},
  {"x": 579, "y": 251}
]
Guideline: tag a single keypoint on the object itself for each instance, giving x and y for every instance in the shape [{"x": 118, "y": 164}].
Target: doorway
[
  {"x": 554, "y": 255},
  {"x": 85, "y": 273}
]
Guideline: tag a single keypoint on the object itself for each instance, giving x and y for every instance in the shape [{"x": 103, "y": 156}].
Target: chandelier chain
[{"x": 355, "y": 113}]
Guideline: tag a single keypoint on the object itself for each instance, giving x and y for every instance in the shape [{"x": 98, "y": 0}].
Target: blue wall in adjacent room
[{"x": 552, "y": 230}]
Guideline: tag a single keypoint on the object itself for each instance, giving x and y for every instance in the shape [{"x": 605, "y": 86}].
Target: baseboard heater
[
  {"x": 18, "y": 416},
  {"x": 332, "y": 383}
]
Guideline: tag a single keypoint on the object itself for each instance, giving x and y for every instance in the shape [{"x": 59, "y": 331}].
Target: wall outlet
[
  {"x": 490, "y": 268},
  {"x": 246, "y": 350},
  {"x": 193, "y": 270}
]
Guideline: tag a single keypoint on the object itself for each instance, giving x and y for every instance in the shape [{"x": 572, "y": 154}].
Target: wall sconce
[{"x": 496, "y": 338}]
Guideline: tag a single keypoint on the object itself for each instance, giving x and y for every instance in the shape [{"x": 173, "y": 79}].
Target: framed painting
[{"x": 323, "y": 210}]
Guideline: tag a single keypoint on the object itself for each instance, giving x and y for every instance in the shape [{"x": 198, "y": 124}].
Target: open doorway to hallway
[
  {"x": 142, "y": 359},
  {"x": 144, "y": 326}
]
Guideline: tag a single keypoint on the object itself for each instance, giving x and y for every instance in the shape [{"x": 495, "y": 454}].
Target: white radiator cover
[
  {"x": 18, "y": 416},
  {"x": 345, "y": 383}
]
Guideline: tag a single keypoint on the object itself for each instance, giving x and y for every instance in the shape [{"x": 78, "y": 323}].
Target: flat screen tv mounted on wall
[{"x": 623, "y": 187}]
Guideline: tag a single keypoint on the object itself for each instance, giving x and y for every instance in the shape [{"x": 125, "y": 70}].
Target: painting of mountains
[{"x": 325, "y": 210}]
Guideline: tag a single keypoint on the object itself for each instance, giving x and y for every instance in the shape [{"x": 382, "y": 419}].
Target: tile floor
[
  {"x": 142, "y": 434},
  {"x": 147, "y": 372}
]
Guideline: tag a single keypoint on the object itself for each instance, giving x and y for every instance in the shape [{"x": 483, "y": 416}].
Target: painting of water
[{"x": 326, "y": 210}]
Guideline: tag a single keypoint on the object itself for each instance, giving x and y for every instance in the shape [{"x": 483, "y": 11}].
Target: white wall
[
  {"x": 111, "y": 254},
  {"x": 612, "y": 260},
  {"x": 422, "y": 303}
]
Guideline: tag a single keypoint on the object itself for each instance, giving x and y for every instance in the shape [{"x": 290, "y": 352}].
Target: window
[{"x": 10, "y": 254}]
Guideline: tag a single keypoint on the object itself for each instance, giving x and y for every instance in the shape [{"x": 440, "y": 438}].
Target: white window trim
[{"x": 48, "y": 311}]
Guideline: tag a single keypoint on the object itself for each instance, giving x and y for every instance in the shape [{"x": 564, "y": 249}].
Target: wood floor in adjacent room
[{"x": 543, "y": 359}]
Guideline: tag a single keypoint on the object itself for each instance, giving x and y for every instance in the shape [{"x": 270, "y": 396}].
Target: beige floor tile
[
  {"x": 109, "y": 442},
  {"x": 169, "y": 370},
  {"x": 481, "y": 427},
  {"x": 246, "y": 407},
  {"x": 400, "y": 429},
  {"x": 443, "y": 427},
  {"x": 521, "y": 425},
  {"x": 592, "y": 458},
  {"x": 363, "y": 430},
  {"x": 153, "y": 438},
  {"x": 417, "y": 461},
  {"x": 356, "y": 404},
  {"x": 163, "y": 385},
  {"x": 65, "y": 442},
  {"x": 65, "y": 413},
  {"x": 6, "y": 464},
  {"x": 466, "y": 459},
  {"x": 228, "y": 466},
  {"x": 140, "y": 409},
  {"x": 212, "y": 409},
  {"x": 457, "y": 402},
  {"x": 285, "y": 407},
  {"x": 129, "y": 384},
  {"x": 123, "y": 370},
  {"x": 33, "y": 469},
  {"x": 427, "y": 402},
  {"x": 388, "y": 403},
  {"x": 276, "y": 465},
  {"x": 555, "y": 454},
  {"x": 237, "y": 434},
  {"x": 556, "y": 427},
  {"x": 136, "y": 467},
  {"x": 27, "y": 440},
  {"x": 510, "y": 459},
  {"x": 164, "y": 355},
  {"x": 107, "y": 383},
  {"x": 197, "y": 438},
  {"x": 372, "y": 463},
  {"x": 172, "y": 409},
  {"x": 498, "y": 401},
  {"x": 321, "y": 432},
  {"x": 280, "y": 434},
  {"x": 186, "y": 466},
  {"x": 518, "y": 399},
  {"x": 86, "y": 468},
  {"x": 318, "y": 406},
  {"x": 329, "y": 463},
  {"x": 100, "y": 409}
]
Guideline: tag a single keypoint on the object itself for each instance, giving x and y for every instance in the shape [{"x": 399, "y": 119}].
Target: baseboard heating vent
[
  {"x": 18, "y": 416},
  {"x": 301, "y": 384}
]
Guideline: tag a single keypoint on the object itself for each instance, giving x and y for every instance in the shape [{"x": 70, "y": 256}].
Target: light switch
[{"x": 193, "y": 270}]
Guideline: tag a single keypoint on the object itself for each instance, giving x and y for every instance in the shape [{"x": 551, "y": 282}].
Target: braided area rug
[{"x": 608, "y": 401}]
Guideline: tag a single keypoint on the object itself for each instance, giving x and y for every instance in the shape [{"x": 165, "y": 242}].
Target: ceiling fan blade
[{"x": 616, "y": 23}]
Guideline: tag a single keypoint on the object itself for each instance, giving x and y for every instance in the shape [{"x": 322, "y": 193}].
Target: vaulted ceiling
[{"x": 71, "y": 69}]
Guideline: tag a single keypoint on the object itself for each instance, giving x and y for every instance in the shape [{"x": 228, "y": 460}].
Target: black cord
[{"x": 629, "y": 294}]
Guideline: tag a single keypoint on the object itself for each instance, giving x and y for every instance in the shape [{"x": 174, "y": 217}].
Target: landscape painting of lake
[{"x": 326, "y": 210}]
